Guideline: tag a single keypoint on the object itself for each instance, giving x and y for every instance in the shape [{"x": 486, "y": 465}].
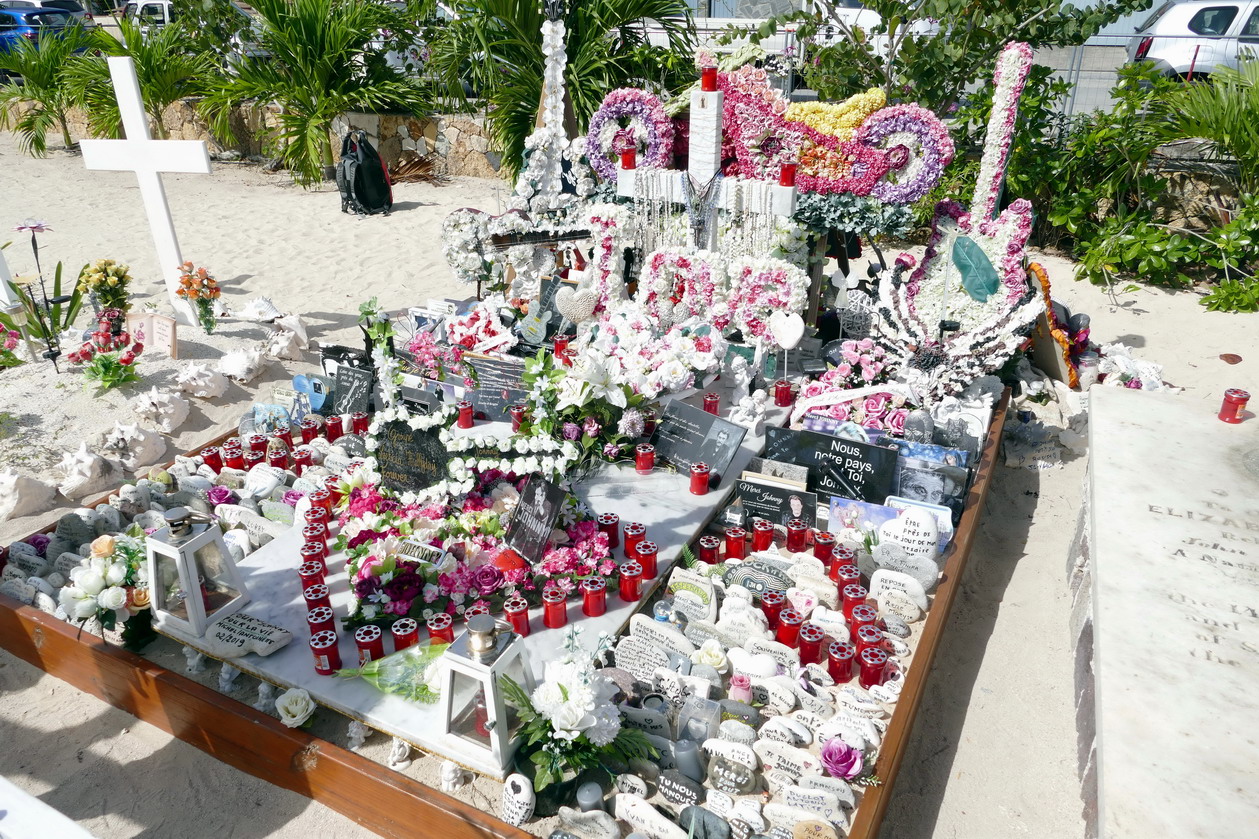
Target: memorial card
[
  {"x": 409, "y": 460},
  {"x": 834, "y": 427},
  {"x": 534, "y": 518},
  {"x": 156, "y": 332},
  {"x": 850, "y": 514},
  {"x": 929, "y": 482},
  {"x": 686, "y": 435},
  {"x": 837, "y": 467},
  {"x": 784, "y": 473},
  {"x": 932, "y": 452},
  {"x": 775, "y": 503},
  {"x": 499, "y": 385},
  {"x": 353, "y": 392}
]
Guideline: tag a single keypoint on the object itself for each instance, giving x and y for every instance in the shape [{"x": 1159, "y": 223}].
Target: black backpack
[{"x": 362, "y": 177}]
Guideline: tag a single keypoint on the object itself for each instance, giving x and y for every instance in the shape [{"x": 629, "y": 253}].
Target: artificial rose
[
  {"x": 711, "y": 653},
  {"x": 591, "y": 427},
  {"x": 292, "y": 496},
  {"x": 486, "y": 580},
  {"x": 220, "y": 495},
  {"x": 841, "y": 759},
  {"x": 103, "y": 546},
  {"x": 571, "y": 431},
  {"x": 612, "y": 451},
  {"x": 571, "y": 719},
  {"x": 90, "y": 579},
  {"x": 137, "y": 598},
  {"x": 875, "y": 405},
  {"x": 116, "y": 573},
  {"x": 295, "y": 707},
  {"x": 77, "y": 603},
  {"x": 895, "y": 420},
  {"x": 114, "y": 597},
  {"x": 404, "y": 587},
  {"x": 39, "y": 542}
]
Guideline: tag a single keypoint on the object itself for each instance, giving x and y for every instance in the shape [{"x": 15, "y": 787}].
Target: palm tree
[
  {"x": 166, "y": 71},
  {"x": 320, "y": 62},
  {"x": 496, "y": 47},
  {"x": 40, "y": 100},
  {"x": 1224, "y": 111}
]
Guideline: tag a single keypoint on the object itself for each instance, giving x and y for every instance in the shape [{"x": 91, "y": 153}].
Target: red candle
[
  {"x": 370, "y": 642},
  {"x": 317, "y": 515},
  {"x": 629, "y": 159},
  {"x": 517, "y": 417},
  {"x": 646, "y": 557},
  {"x": 699, "y": 478},
  {"x": 869, "y": 636},
  {"x": 309, "y": 428},
  {"x": 610, "y": 523},
  {"x": 253, "y": 458},
  {"x": 873, "y": 662},
  {"x": 405, "y": 632},
  {"x": 316, "y": 595},
  {"x": 762, "y": 535},
  {"x": 561, "y": 344},
  {"x": 234, "y": 459},
  {"x": 472, "y": 611},
  {"x": 644, "y": 458},
  {"x": 846, "y": 575},
  {"x": 635, "y": 532},
  {"x": 321, "y": 498},
  {"x": 303, "y": 459},
  {"x": 258, "y": 443},
  {"x": 711, "y": 402},
  {"x": 278, "y": 458},
  {"x": 772, "y": 603},
  {"x": 797, "y": 530},
  {"x": 782, "y": 393},
  {"x": 441, "y": 628},
  {"x": 861, "y": 616},
  {"x": 840, "y": 655},
  {"x": 327, "y": 655},
  {"x": 1234, "y": 405},
  {"x": 841, "y": 555},
  {"x": 320, "y": 619},
  {"x": 332, "y": 483},
  {"x": 736, "y": 547},
  {"x": 314, "y": 553},
  {"x": 285, "y": 434},
  {"x": 854, "y": 596},
  {"x": 708, "y": 79},
  {"x": 823, "y": 546},
  {"x": 213, "y": 458},
  {"x": 594, "y": 596},
  {"x": 810, "y": 637},
  {"x": 631, "y": 582},
  {"x": 359, "y": 422},
  {"x": 315, "y": 533},
  {"x": 332, "y": 429},
  {"x": 708, "y": 546},
  {"x": 517, "y": 611},
  {"x": 554, "y": 608},
  {"x": 312, "y": 573},
  {"x": 787, "y": 174},
  {"x": 649, "y": 423},
  {"x": 465, "y": 414},
  {"x": 789, "y": 621}
]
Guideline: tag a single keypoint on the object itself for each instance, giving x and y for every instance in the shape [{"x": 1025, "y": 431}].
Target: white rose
[
  {"x": 88, "y": 579},
  {"x": 711, "y": 653},
  {"x": 114, "y": 597},
  {"x": 77, "y": 603},
  {"x": 570, "y": 720},
  {"x": 116, "y": 573},
  {"x": 295, "y": 707}
]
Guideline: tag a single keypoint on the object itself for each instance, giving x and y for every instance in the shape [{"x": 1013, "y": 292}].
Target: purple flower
[
  {"x": 571, "y": 431},
  {"x": 591, "y": 427},
  {"x": 611, "y": 451},
  {"x": 486, "y": 580},
  {"x": 292, "y": 496},
  {"x": 33, "y": 225},
  {"x": 367, "y": 586},
  {"x": 220, "y": 495},
  {"x": 841, "y": 759},
  {"x": 364, "y": 537},
  {"x": 405, "y": 587},
  {"x": 39, "y": 542}
]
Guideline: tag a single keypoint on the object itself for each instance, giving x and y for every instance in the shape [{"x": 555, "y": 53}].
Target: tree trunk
[{"x": 65, "y": 130}]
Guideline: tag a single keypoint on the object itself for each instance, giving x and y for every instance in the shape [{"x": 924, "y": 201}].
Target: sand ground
[{"x": 993, "y": 753}]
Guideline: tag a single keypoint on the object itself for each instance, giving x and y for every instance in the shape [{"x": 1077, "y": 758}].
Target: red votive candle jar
[
  {"x": 708, "y": 547},
  {"x": 517, "y": 611},
  {"x": 736, "y": 547},
  {"x": 823, "y": 546},
  {"x": 789, "y": 621},
  {"x": 317, "y": 515},
  {"x": 316, "y": 595},
  {"x": 610, "y": 523},
  {"x": 787, "y": 174},
  {"x": 405, "y": 632},
  {"x": 517, "y": 417},
  {"x": 258, "y": 443},
  {"x": 303, "y": 459},
  {"x": 321, "y": 498},
  {"x": 841, "y": 555},
  {"x": 311, "y": 571},
  {"x": 840, "y": 655},
  {"x": 359, "y": 422},
  {"x": 441, "y": 628},
  {"x": 711, "y": 402},
  {"x": 465, "y": 414},
  {"x": 708, "y": 79},
  {"x": 631, "y": 582},
  {"x": 762, "y": 534},
  {"x": 635, "y": 532},
  {"x": 782, "y": 393},
  {"x": 316, "y": 553},
  {"x": 370, "y": 642},
  {"x": 332, "y": 483},
  {"x": 854, "y": 596},
  {"x": 847, "y": 575},
  {"x": 472, "y": 611},
  {"x": 315, "y": 533},
  {"x": 285, "y": 433},
  {"x": 861, "y": 616},
  {"x": 253, "y": 458},
  {"x": 321, "y": 619},
  {"x": 332, "y": 428},
  {"x": 594, "y": 596},
  {"x": 629, "y": 159},
  {"x": 797, "y": 531},
  {"x": 560, "y": 345},
  {"x": 554, "y": 608},
  {"x": 232, "y": 444},
  {"x": 327, "y": 655},
  {"x": 873, "y": 662},
  {"x": 213, "y": 458},
  {"x": 644, "y": 458},
  {"x": 1234, "y": 405},
  {"x": 772, "y": 603},
  {"x": 309, "y": 427},
  {"x": 234, "y": 458},
  {"x": 278, "y": 458},
  {"x": 699, "y": 478},
  {"x": 810, "y": 639},
  {"x": 645, "y": 555},
  {"x": 867, "y": 637}
]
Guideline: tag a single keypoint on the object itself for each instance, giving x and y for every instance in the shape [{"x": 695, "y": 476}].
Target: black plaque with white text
[
  {"x": 499, "y": 385},
  {"x": 535, "y": 515},
  {"x": 686, "y": 435},
  {"x": 837, "y": 467},
  {"x": 410, "y": 460}
]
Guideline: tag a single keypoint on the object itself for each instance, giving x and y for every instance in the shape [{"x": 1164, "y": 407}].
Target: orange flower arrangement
[{"x": 197, "y": 286}]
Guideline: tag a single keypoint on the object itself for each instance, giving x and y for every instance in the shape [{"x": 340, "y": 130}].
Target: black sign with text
[
  {"x": 410, "y": 460},
  {"x": 837, "y": 467},
  {"x": 353, "y": 391},
  {"x": 686, "y": 435},
  {"x": 776, "y": 504},
  {"x": 499, "y": 385},
  {"x": 535, "y": 515}
]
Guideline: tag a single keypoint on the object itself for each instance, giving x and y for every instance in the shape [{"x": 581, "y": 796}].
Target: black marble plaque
[
  {"x": 535, "y": 515},
  {"x": 499, "y": 385},
  {"x": 410, "y": 460},
  {"x": 686, "y": 435},
  {"x": 837, "y": 467},
  {"x": 775, "y": 503},
  {"x": 354, "y": 389}
]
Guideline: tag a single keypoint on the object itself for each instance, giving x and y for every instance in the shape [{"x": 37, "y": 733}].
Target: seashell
[
  {"x": 201, "y": 381},
  {"x": 165, "y": 409},
  {"x": 22, "y": 495},
  {"x": 260, "y": 310},
  {"x": 241, "y": 365},
  {"x": 133, "y": 446},
  {"x": 86, "y": 472},
  {"x": 284, "y": 344}
]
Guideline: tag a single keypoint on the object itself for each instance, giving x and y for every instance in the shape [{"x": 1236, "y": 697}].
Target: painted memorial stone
[
  {"x": 837, "y": 787},
  {"x": 639, "y": 657},
  {"x": 686, "y": 435},
  {"x": 699, "y": 631},
  {"x": 777, "y": 780},
  {"x": 823, "y": 589},
  {"x": 661, "y": 634},
  {"x": 667, "y": 759},
  {"x": 884, "y": 581},
  {"x": 632, "y": 784},
  {"x": 895, "y": 625},
  {"x": 779, "y": 729},
  {"x": 679, "y": 789},
  {"x": 702, "y": 600},
  {"x": 809, "y": 720},
  {"x": 758, "y": 577},
  {"x": 740, "y": 624},
  {"x": 785, "y": 817},
  {"x": 819, "y": 802},
  {"x": 915, "y": 530},
  {"x": 802, "y": 600},
  {"x": 518, "y": 800},
  {"x": 893, "y": 557},
  {"x": 19, "y": 590},
  {"x": 813, "y": 829},
  {"x": 645, "y": 819},
  {"x": 896, "y": 604},
  {"x": 795, "y": 762},
  {"x": 731, "y": 776},
  {"x": 772, "y": 697},
  {"x": 818, "y": 675},
  {"x": 782, "y": 654},
  {"x": 831, "y": 621},
  {"x": 700, "y": 823},
  {"x": 856, "y": 697},
  {"x": 718, "y": 802},
  {"x": 645, "y": 719},
  {"x": 534, "y": 518},
  {"x": 741, "y": 711},
  {"x": 594, "y": 824},
  {"x": 762, "y": 664},
  {"x": 409, "y": 460},
  {"x": 805, "y": 699},
  {"x": 32, "y": 565},
  {"x": 849, "y": 726},
  {"x": 748, "y": 810},
  {"x": 884, "y": 695},
  {"x": 943, "y": 516},
  {"x": 353, "y": 445},
  {"x": 734, "y": 731}
]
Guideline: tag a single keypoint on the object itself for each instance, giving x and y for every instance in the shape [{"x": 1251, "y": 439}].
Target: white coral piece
[
  {"x": 165, "y": 409},
  {"x": 201, "y": 381},
  {"x": 260, "y": 310},
  {"x": 22, "y": 495},
  {"x": 133, "y": 446},
  {"x": 241, "y": 365},
  {"x": 85, "y": 472}
]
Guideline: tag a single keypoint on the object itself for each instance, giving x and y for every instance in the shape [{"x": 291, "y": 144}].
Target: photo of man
[{"x": 933, "y": 483}]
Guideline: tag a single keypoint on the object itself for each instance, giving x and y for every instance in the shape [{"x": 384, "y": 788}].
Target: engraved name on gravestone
[{"x": 409, "y": 460}]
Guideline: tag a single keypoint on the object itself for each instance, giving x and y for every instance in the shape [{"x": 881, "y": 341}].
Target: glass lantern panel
[
  {"x": 468, "y": 716},
  {"x": 216, "y": 581},
  {"x": 513, "y": 669},
  {"x": 171, "y": 596}
]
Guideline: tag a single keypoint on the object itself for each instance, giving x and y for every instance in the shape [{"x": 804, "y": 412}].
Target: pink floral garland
[
  {"x": 758, "y": 288},
  {"x": 679, "y": 284}
]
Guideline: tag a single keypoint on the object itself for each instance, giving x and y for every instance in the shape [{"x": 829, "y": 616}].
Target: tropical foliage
[{"x": 38, "y": 102}]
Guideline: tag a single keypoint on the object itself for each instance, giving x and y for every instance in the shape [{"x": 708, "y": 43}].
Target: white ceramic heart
[
  {"x": 802, "y": 600},
  {"x": 577, "y": 306},
  {"x": 787, "y": 329}
]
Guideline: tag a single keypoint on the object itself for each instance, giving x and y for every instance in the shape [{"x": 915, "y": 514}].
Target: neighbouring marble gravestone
[{"x": 1166, "y": 623}]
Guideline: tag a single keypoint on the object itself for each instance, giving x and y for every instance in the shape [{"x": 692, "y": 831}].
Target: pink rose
[
  {"x": 842, "y": 760},
  {"x": 844, "y": 370},
  {"x": 876, "y": 405},
  {"x": 865, "y": 344},
  {"x": 896, "y": 420},
  {"x": 873, "y": 422},
  {"x": 839, "y": 412}
]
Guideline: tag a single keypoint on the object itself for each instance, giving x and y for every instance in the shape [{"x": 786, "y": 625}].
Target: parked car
[
  {"x": 152, "y": 14},
  {"x": 30, "y": 23},
  {"x": 73, "y": 7},
  {"x": 1196, "y": 38}
]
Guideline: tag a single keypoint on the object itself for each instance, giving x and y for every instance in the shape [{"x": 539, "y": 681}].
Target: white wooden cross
[
  {"x": 8, "y": 300},
  {"x": 149, "y": 158},
  {"x": 703, "y": 163}
]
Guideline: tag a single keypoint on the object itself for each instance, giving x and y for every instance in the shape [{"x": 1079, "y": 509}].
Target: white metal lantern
[
  {"x": 193, "y": 581},
  {"x": 480, "y": 726}
]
